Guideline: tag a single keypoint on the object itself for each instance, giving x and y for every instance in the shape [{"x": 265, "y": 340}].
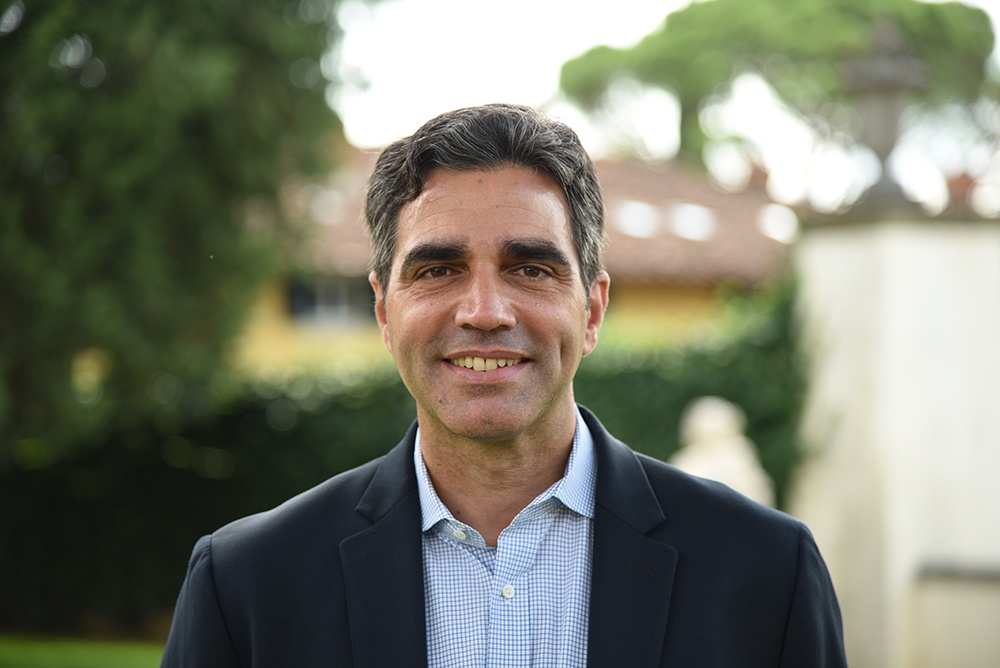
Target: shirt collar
[{"x": 576, "y": 489}]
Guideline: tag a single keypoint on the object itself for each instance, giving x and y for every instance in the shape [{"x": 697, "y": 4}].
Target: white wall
[{"x": 902, "y": 322}]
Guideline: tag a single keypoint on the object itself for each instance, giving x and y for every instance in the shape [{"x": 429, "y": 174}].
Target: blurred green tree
[
  {"x": 143, "y": 148},
  {"x": 797, "y": 47}
]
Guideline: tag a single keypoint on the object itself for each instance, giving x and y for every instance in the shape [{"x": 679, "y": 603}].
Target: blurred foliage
[
  {"x": 799, "y": 49},
  {"x": 100, "y": 539},
  {"x": 142, "y": 147}
]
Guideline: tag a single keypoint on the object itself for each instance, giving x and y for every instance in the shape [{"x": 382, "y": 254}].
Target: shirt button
[
  {"x": 507, "y": 592},
  {"x": 459, "y": 534}
]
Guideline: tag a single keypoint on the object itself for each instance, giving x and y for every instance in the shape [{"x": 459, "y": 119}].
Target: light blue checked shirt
[{"x": 524, "y": 603}]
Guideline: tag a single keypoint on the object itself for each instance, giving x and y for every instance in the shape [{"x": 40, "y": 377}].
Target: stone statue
[{"x": 715, "y": 447}]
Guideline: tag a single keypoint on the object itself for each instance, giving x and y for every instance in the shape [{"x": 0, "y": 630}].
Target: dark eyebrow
[
  {"x": 432, "y": 252},
  {"x": 538, "y": 250}
]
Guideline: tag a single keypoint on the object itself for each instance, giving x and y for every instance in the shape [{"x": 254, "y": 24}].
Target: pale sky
[{"x": 404, "y": 61}]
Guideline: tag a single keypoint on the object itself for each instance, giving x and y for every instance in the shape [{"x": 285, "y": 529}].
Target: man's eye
[
  {"x": 532, "y": 271},
  {"x": 436, "y": 272}
]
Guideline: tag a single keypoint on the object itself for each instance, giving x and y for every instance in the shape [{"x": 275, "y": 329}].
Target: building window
[{"x": 331, "y": 301}]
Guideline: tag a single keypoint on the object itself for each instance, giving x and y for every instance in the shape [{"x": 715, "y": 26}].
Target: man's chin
[
  {"x": 497, "y": 431},
  {"x": 486, "y": 422}
]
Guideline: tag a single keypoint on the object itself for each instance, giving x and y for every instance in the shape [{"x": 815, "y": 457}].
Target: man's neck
[{"x": 485, "y": 485}]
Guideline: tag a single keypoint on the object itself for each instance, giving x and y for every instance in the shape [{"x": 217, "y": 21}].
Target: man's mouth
[{"x": 483, "y": 363}]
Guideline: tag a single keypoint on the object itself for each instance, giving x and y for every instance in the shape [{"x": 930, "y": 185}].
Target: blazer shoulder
[
  {"x": 650, "y": 495},
  {"x": 330, "y": 504},
  {"x": 716, "y": 519}
]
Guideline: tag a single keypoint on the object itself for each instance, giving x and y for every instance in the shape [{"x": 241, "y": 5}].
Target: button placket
[{"x": 512, "y": 602}]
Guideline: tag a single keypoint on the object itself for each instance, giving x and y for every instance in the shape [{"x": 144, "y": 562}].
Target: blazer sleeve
[
  {"x": 199, "y": 636},
  {"x": 814, "y": 634}
]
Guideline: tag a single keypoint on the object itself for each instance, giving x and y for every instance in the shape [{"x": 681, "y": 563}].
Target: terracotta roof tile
[{"x": 694, "y": 232}]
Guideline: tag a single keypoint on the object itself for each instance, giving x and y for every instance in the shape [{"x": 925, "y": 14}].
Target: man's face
[{"x": 486, "y": 314}]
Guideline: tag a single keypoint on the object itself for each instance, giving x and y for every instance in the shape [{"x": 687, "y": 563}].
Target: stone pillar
[{"x": 901, "y": 322}]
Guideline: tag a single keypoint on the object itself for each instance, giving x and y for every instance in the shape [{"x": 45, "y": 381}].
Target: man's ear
[
  {"x": 380, "y": 315},
  {"x": 595, "y": 313}
]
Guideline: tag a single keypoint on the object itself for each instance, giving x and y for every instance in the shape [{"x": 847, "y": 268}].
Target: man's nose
[{"x": 486, "y": 304}]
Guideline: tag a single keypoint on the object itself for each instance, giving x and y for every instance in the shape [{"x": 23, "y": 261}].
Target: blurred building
[{"x": 674, "y": 239}]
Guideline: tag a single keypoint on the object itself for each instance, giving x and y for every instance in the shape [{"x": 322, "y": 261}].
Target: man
[{"x": 508, "y": 528}]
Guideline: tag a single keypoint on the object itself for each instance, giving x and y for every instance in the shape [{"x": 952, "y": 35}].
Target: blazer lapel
[
  {"x": 383, "y": 568},
  {"x": 632, "y": 574}
]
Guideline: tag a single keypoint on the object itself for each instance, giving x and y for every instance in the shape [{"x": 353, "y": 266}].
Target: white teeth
[{"x": 483, "y": 363}]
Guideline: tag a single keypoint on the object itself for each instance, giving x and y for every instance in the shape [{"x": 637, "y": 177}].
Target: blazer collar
[
  {"x": 383, "y": 568},
  {"x": 632, "y": 573},
  {"x": 394, "y": 480}
]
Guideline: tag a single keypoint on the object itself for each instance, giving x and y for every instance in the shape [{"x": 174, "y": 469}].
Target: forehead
[
  {"x": 504, "y": 193},
  {"x": 469, "y": 205}
]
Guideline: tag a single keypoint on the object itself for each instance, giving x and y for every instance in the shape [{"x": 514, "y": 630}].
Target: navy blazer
[{"x": 686, "y": 573}]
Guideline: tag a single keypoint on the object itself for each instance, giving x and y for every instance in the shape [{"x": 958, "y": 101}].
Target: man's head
[
  {"x": 488, "y": 289},
  {"x": 484, "y": 138}
]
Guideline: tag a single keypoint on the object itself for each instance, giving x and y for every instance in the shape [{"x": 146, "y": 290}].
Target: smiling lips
[{"x": 483, "y": 363}]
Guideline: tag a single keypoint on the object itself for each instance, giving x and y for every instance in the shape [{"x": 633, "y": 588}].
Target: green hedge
[
  {"x": 103, "y": 539},
  {"x": 106, "y": 536}
]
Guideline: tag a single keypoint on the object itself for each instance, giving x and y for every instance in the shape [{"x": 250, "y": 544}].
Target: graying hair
[{"x": 483, "y": 138}]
